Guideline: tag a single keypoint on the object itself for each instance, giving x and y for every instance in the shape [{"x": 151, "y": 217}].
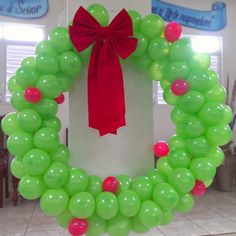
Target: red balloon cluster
[
  {"x": 60, "y": 99},
  {"x": 78, "y": 227},
  {"x": 161, "y": 149},
  {"x": 179, "y": 87},
  {"x": 172, "y": 31},
  {"x": 32, "y": 95},
  {"x": 110, "y": 184},
  {"x": 199, "y": 189}
]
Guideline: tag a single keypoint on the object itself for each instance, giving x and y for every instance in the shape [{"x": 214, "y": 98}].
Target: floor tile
[
  {"x": 182, "y": 228},
  {"x": 228, "y": 210},
  {"x": 217, "y": 226},
  {"x": 48, "y": 233}
]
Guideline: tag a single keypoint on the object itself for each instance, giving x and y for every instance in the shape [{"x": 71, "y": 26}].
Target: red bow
[{"x": 106, "y": 101}]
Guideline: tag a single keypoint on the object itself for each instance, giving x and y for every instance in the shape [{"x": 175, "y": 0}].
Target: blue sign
[
  {"x": 211, "y": 20},
  {"x": 27, "y": 9}
]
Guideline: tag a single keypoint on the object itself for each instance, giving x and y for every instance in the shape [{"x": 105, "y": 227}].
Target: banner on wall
[
  {"x": 209, "y": 20},
  {"x": 26, "y": 9}
]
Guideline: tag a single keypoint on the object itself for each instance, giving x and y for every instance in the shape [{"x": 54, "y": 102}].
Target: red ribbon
[{"x": 106, "y": 100}]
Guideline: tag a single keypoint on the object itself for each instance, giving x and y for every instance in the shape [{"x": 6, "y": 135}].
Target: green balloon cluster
[{"x": 41, "y": 161}]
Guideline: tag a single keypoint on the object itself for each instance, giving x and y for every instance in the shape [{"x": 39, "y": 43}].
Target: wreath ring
[{"x": 185, "y": 166}]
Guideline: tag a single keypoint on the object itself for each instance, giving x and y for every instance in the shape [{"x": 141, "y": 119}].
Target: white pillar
[{"x": 129, "y": 152}]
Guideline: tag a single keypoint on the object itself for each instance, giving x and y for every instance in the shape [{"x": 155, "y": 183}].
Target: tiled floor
[{"x": 213, "y": 214}]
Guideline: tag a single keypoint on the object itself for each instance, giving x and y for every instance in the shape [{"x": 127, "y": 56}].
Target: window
[
  {"x": 208, "y": 44},
  {"x": 17, "y": 41}
]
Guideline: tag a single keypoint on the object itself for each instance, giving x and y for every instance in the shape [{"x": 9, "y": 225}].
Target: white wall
[
  {"x": 163, "y": 128},
  {"x": 50, "y": 20}
]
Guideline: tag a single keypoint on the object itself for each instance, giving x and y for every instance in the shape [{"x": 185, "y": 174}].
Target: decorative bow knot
[{"x": 106, "y": 100}]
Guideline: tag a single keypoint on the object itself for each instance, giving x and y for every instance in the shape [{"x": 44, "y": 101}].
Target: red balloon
[
  {"x": 179, "y": 87},
  {"x": 32, "y": 95},
  {"x": 199, "y": 189},
  {"x": 78, "y": 227},
  {"x": 173, "y": 31},
  {"x": 110, "y": 184},
  {"x": 60, "y": 99},
  {"x": 161, "y": 149}
]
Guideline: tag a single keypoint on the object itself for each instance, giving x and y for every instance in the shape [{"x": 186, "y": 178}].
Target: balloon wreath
[{"x": 186, "y": 165}]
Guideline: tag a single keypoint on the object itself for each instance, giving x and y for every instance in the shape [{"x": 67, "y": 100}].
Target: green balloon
[
  {"x": 56, "y": 175},
  {"x": 100, "y": 13},
  {"x": 28, "y": 61},
  {"x": 12, "y": 84},
  {"x": 47, "y": 63},
  {"x": 150, "y": 214},
  {"x": 198, "y": 81},
  {"x": 46, "y": 139},
  {"x": 94, "y": 185},
  {"x": 182, "y": 180},
  {"x": 181, "y": 50},
  {"x": 200, "y": 62},
  {"x": 213, "y": 78},
  {"x": 60, "y": 40},
  {"x": 156, "y": 71},
  {"x": 164, "y": 166},
  {"x": 129, "y": 203},
  {"x": 106, "y": 205},
  {"x": 165, "y": 196},
  {"x": 18, "y": 101},
  {"x": 158, "y": 49},
  {"x": 64, "y": 219},
  {"x": 26, "y": 76},
  {"x": 216, "y": 155},
  {"x": 29, "y": 120},
  {"x": 85, "y": 54},
  {"x": 143, "y": 187},
  {"x": 142, "y": 63},
  {"x": 169, "y": 97},
  {"x": 136, "y": 19},
  {"x": 137, "y": 226},
  {"x": 191, "y": 102},
  {"x": 176, "y": 142},
  {"x": 208, "y": 183},
  {"x": 164, "y": 84},
  {"x": 124, "y": 183},
  {"x": 53, "y": 123},
  {"x": 142, "y": 45},
  {"x": 219, "y": 135},
  {"x": 178, "y": 116},
  {"x": 228, "y": 115},
  {"x": 19, "y": 143},
  {"x": 119, "y": 225},
  {"x": 45, "y": 46},
  {"x": 31, "y": 187},
  {"x": 97, "y": 226},
  {"x": 49, "y": 86},
  {"x": 17, "y": 168},
  {"x": 82, "y": 205},
  {"x": 9, "y": 123},
  {"x": 203, "y": 169},
  {"x": 167, "y": 217},
  {"x": 54, "y": 202},
  {"x": 65, "y": 81},
  {"x": 216, "y": 94},
  {"x": 47, "y": 108},
  {"x": 193, "y": 127},
  {"x": 198, "y": 147},
  {"x": 70, "y": 63},
  {"x": 156, "y": 176},
  {"x": 36, "y": 161},
  {"x": 152, "y": 26},
  {"x": 177, "y": 70},
  {"x": 186, "y": 203},
  {"x": 77, "y": 181},
  {"x": 179, "y": 158},
  {"x": 60, "y": 154},
  {"x": 212, "y": 113}
]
